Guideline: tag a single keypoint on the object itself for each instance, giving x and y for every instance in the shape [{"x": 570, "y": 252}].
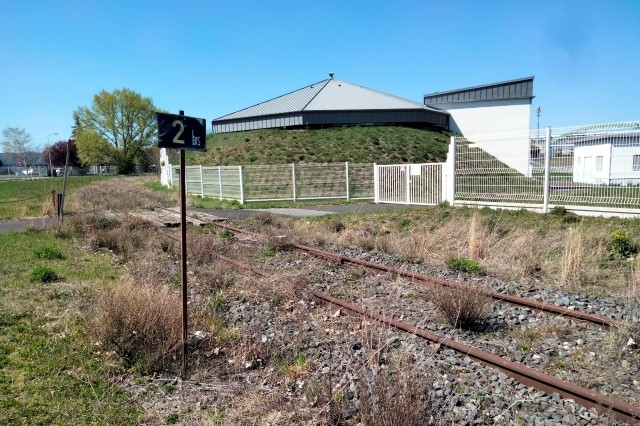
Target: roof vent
[{"x": 331, "y": 75}]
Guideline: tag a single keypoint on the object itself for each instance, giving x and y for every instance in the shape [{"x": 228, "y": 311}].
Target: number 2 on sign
[{"x": 176, "y": 138}]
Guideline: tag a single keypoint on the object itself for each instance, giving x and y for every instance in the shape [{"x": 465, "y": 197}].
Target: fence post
[
  {"x": 407, "y": 176},
  {"x": 293, "y": 179},
  {"x": 376, "y": 184},
  {"x": 451, "y": 173},
  {"x": 220, "y": 181},
  {"x": 201, "y": 183},
  {"x": 241, "y": 185},
  {"x": 547, "y": 172},
  {"x": 346, "y": 170}
]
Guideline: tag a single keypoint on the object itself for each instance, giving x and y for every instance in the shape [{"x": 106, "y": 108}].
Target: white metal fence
[
  {"x": 278, "y": 182},
  {"x": 423, "y": 184},
  {"x": 43, "y": 171},
  {"x": 591, "y": 168}
]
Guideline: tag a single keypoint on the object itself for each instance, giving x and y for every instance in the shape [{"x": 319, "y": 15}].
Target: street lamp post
[{"x": 49, "y": 149}]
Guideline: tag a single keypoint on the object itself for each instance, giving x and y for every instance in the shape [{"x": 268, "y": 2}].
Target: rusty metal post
[{"x": 183, "y": 257}]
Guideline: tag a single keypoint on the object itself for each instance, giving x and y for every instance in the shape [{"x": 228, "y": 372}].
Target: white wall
[
  {"x": 500, "y": 127},
  {"x": 585, "y": 160},
  {"x": 487, "y": 117},
  {"x": 617, "y": 167},
  {"x": 622, "y": 165}
]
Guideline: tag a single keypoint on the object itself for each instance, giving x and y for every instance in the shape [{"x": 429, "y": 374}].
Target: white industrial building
[{"x": 607, "y": 158}]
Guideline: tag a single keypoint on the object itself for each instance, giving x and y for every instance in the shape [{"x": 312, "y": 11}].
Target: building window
[
  {"x": 636, "y": 162},
  {"x": 599, "y": 163}
]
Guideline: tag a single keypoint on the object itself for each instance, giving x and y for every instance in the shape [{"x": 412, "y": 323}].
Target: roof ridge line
[{"x": 317, "y": 93}]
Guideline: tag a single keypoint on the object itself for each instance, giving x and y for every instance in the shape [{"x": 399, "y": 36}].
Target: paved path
[{"x": 20, "y": 225}]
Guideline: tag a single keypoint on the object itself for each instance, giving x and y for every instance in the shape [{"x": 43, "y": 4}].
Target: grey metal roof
[
  {"x": 521, "y": 88},
  {"x": 327, "y": 95},
  {"x": 293, "y": 101}
]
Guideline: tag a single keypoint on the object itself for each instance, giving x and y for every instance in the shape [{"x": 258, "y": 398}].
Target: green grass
[
  {"x": 51, "y": 372},
  {"x": 33, "y": 197},
  {"x": 464, "y": 264},
  {"x": 43, "y": 274},
  {"x": 367, "y": 144}
]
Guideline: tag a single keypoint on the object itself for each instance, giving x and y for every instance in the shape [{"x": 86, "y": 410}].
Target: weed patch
[
  {"x": 43, "y": 274},
  {"x": 48, "y": 252},
  {"x": 463, "y": 306},
  {"x": 225, "y": 234},
  {"x": 394, "y": 399},
  {"x": 620, "y": 245},
  {"x": 142, "y": 324},
  {"x": 463, "y": 264}
]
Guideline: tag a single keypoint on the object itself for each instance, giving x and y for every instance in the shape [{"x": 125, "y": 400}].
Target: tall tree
[
  {"x": 16, "y": 144},
  {"x": 116, "y": 129},
  {"x": 56, "y": 154}
]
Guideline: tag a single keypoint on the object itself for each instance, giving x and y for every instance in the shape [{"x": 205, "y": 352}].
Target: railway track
[
  {"x": 526, "y": 375},
  {"x": 429, "y": 280}
]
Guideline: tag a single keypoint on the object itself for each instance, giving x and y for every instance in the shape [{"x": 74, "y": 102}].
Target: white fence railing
[
  {"x": 593, "y": 168},
  {"x": 292, "y": 182},
  {"x": 422, "y": 184}
]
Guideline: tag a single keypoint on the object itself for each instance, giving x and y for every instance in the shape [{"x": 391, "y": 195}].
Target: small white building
[{"x": 606, "y": 158}]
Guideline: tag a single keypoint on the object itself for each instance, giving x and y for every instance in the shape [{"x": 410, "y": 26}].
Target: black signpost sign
[{"x": 180, "y": 132}]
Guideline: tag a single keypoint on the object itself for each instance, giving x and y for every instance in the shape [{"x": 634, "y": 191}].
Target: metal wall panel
[
  {"x": 515, "y": 89},
  {"x": 321, "y": 118}
]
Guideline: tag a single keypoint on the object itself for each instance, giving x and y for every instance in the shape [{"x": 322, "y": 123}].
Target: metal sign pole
[
  {"x": 181, "y": 133},
  {"x": 183, "y": 256},
  {"x": 64, "y": 185}
]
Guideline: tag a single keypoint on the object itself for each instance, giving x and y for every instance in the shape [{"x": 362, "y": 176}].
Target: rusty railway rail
[
  {"x": 528, "y": 376},
  {"x": 426, "y": 279}
]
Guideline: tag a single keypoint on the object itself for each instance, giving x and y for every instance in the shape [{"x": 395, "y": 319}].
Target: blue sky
[{"x": 211, "y": 58}]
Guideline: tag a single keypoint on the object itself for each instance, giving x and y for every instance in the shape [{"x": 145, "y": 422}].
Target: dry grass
[
  {"x": 202, "y": 248},
  {"x": 632, "y": 297},
  {"x": 462, "y": 306},
  {"x": 121, "y": 194},
  {"x": 276, "y": 288},
  {"x": 395, "y": 399},
  {"x": 125, "y": 237},
  {"x": 142, "y": 324},
  {"x": 476, "y": 240},
  {"x": 152, "y": 266},
  {"x": 572, "y": 260},
  {"x": 513, "y": 245}
]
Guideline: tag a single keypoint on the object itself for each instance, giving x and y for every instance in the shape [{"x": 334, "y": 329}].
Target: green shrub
[
  {"x": 43, "y": 274},
  {"x": 225, "y": 234},
  {"x": 464, "y": 264},
  {"x": 566, "y": 215},
  {"x": 269, "y": 252},
  {"x": 558, "y": 211},
  {"x": 48, "y": 252},
  {"x": 620, "y": 245}
]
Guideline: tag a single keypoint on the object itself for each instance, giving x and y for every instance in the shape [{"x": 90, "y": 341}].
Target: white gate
[{"x": 409, "y": 183}]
